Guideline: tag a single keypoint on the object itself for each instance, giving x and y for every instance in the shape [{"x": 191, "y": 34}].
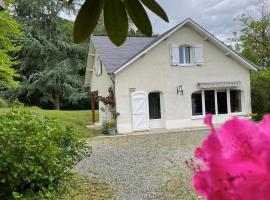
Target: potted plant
[{"x": 111, "y": 127}]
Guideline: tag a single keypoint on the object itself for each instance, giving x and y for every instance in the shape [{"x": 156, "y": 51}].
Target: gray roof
[{"x": 114, "y": 57}]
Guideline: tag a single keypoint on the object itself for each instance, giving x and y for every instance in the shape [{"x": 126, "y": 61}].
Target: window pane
[
  {"x": 196, "y": 99},
  {"x": 235, "y": 96},
  {"x": 222, "y": 102},
  {"x": 181, "y": 54},
  {"x": 187, "y": 55},
  {"x": 154, "y": 106},
  {"x": 210, "y": 102}
]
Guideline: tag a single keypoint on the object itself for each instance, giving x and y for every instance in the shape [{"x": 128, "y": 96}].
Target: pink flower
[{"x": 236, "y": 161}]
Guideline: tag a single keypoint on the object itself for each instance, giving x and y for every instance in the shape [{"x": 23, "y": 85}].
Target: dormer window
[{"x": 184, "y": 54}]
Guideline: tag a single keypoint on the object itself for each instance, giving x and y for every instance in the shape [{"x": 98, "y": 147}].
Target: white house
[{"x": 171, "y": 81}]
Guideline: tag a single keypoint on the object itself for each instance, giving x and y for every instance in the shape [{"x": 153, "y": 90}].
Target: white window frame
[
  {"x": 216, "y": 104},
  {"x": 184, "y": 46}
]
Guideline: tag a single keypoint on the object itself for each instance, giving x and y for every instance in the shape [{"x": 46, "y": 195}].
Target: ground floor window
[
  {"x": 197, "y": 103},
  {"x": 222, "y": 102},
  {"x": 235, "y": 97},
  {"x": 216, "y": 102}
]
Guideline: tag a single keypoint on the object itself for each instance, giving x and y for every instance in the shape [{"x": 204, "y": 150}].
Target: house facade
[{"x": 171, "y": 81}]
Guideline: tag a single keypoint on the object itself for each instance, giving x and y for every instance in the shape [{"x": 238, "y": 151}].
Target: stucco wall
[
  {"x": 99, "y": 83},
  {"x": 153, "y": 72}
]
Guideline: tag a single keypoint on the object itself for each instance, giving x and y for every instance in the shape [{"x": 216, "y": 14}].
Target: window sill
[
  {"x": 230, "y": 114},
  {"x": 187, "y": 65}
]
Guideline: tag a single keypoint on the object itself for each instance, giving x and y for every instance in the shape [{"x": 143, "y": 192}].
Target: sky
[{"x": 217, "y": 16}]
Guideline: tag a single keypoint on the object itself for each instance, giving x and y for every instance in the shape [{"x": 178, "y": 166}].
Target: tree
[
  {"x": 9, "y": 31},
  {"x": 254, "y": 44},
  {"x": 52, "y": 66},
  {"x": 254, "y": 40}
]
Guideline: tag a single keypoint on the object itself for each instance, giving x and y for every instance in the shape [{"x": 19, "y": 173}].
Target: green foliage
[
  {"x": 83, "y": 27},
  {"x": 35, "y": 153},
  {"x": 3, "y": 103},
  {"x": 254, "y": 40},
  {"x": 9, "y": 30},
  {"x": 116, "y": 13},
  {"x": 116, "y": 21},
  {"x": 79, "y": 188},
  {"x": 51, "y": 65},
  {"x": 260, "y": 93}
]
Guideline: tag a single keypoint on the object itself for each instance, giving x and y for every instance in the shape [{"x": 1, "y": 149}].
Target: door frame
[{"x": 162, "y": 111}]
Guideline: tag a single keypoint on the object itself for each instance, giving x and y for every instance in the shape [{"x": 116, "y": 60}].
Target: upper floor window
[
  {"x": 98, "y": 67},
  {"x": 187, "y": 55}
]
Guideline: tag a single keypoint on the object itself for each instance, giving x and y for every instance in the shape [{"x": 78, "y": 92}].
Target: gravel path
[{"x": 144, "y": 166}]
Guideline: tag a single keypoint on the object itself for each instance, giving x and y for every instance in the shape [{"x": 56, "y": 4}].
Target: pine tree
[{"x": 52, "y": 66}]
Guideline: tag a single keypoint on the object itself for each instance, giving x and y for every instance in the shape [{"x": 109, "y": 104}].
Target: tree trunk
[
  {"x": 57, "y": 101},
  {"x": 57, "y": 95}
]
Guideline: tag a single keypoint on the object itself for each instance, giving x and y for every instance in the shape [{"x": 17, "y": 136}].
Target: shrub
[
  {"x": 35, "y": 152},
  {"x": 260, "y": 93},
  {"x": 3, "y": 103}
]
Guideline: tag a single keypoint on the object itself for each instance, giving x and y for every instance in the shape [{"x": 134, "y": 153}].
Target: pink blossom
[{"x": 236, "y": 161}]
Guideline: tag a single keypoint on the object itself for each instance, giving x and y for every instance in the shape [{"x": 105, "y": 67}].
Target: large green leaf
[
  {"x": 156, "y": 8},
  {"x": 139, "y": 16},
  {"x": 116, "y": 21},
  {"x": 87, "y": 19}
]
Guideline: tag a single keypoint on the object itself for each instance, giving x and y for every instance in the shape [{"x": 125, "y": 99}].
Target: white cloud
[{"x": 217, "y": 16}]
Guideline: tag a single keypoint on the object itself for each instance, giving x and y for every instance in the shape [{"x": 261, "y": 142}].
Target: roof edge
[{"x": 200, "y": 29}]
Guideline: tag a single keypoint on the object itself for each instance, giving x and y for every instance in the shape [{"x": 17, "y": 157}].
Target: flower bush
[
  {"x": 233, "y": 163},
  {"x": 35, "y": 153}
]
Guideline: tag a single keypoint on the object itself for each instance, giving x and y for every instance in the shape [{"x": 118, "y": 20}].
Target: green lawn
[{"x": 77, "y": 119}]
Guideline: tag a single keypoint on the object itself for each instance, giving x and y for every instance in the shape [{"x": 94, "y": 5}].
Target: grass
[
  {"x": 178, "y": 187},
  {"x": 79, "y": 188},
  {"x": 77, "y": 119}
]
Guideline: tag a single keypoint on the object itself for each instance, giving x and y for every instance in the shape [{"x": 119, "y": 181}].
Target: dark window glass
[
  {"x": 235, "y": 96},
  {"x": 222, "y": 102},
  {"x": 196, "y": 99},
  {"x": 181, "y": 54},
  {"x": 210, "y": 101},
  {"x": 154, "y": 106},
  {"x": 187, "y": 54},
  {"x": 184, "y": 54}
]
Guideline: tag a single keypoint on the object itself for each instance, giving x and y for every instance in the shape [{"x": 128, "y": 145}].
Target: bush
[
  {"x": 260, "y": 93},
  {"x": 35, "y": 152},
  {"x": 3, "y": 103}
]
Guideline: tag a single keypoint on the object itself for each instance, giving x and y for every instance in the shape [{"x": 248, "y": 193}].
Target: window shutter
[
  {"x": 174, "y": 54},
  {"x": 199, "y": 57}
]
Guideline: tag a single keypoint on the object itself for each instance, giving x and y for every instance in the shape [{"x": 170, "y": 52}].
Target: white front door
[{"x": 140, "y": 111}]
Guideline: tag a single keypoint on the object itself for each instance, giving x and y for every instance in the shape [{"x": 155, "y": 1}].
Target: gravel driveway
[{"x": 144, "y": 166}]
